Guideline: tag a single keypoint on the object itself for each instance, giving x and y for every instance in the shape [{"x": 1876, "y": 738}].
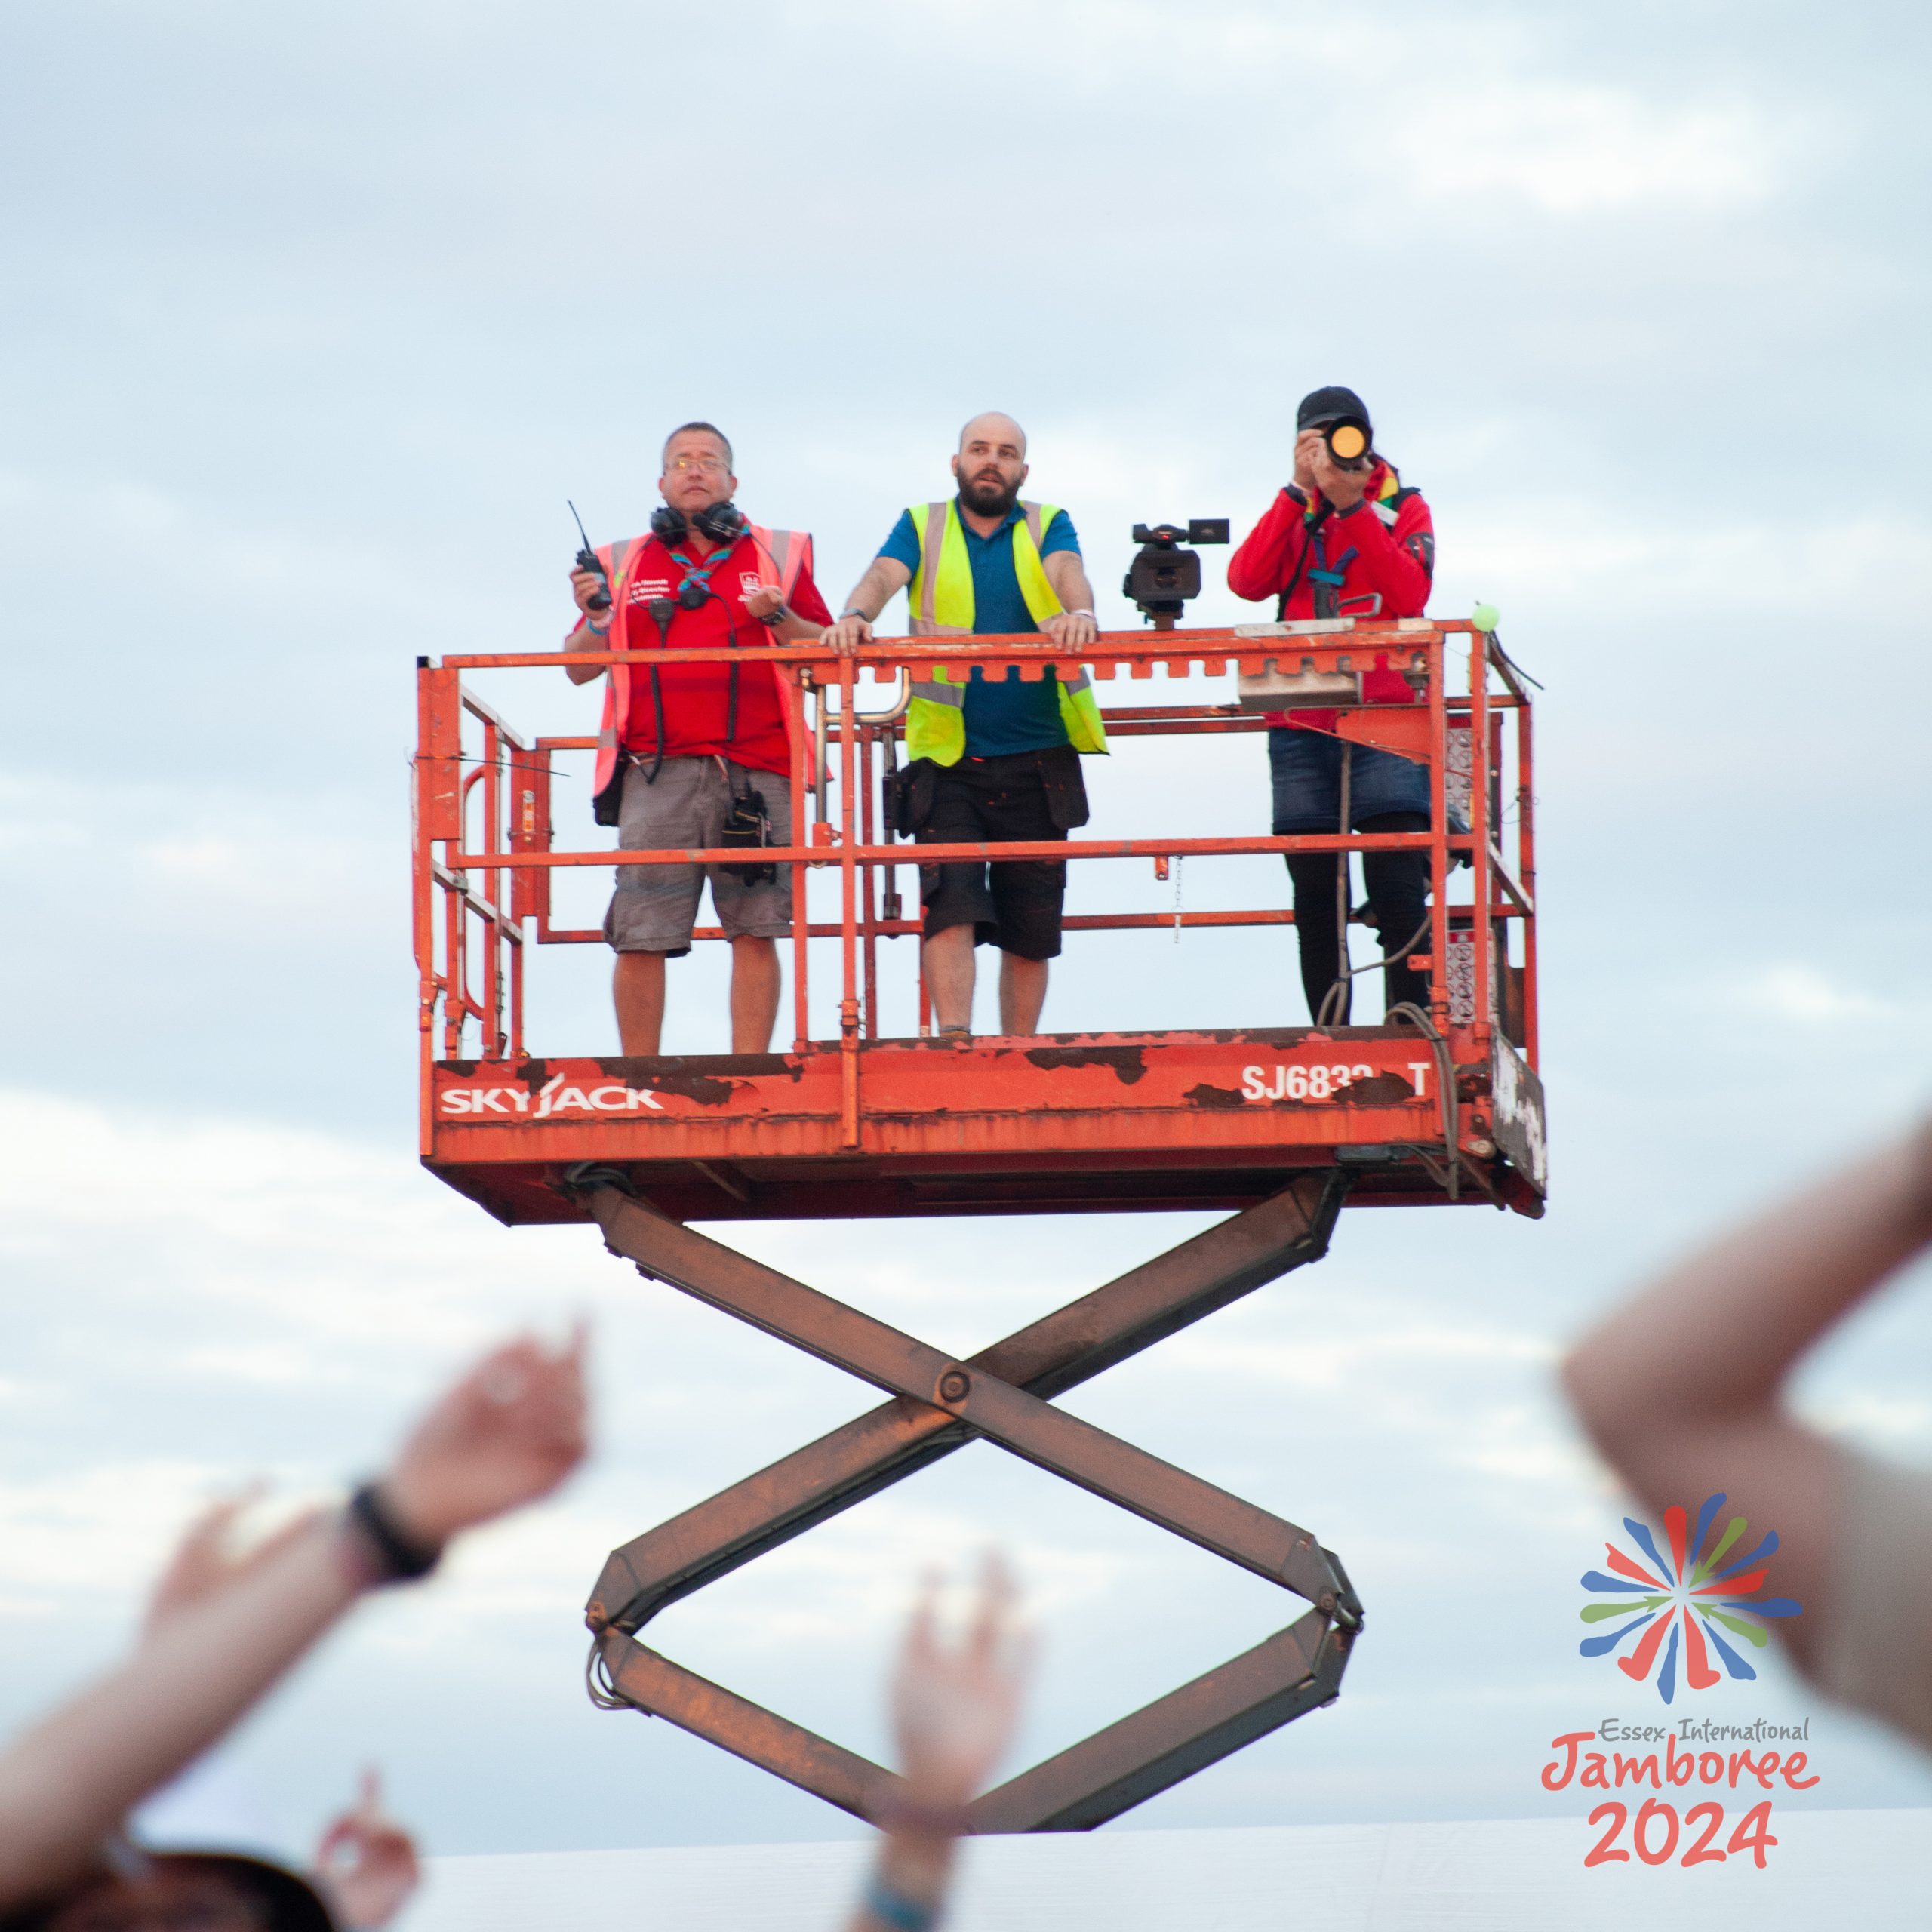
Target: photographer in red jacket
[{"x": 1345, "y": 539}]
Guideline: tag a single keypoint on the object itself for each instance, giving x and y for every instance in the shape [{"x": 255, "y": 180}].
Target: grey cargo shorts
[{"x": 654, "y": 907}]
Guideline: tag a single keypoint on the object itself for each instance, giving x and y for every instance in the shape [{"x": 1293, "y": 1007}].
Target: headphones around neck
[{"x": 721, "y": 522}]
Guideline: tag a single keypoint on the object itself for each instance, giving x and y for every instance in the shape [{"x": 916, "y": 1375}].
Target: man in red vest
[{"x": 686, "y": 747}]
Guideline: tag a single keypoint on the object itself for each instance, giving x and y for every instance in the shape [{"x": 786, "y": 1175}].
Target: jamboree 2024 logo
[
  {"x": 1689, "y": 1593},
  {"x": 1679, "y": 1601}
]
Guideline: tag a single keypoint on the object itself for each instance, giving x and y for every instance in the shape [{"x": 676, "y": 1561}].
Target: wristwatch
[{"x": 775, "y": 618}]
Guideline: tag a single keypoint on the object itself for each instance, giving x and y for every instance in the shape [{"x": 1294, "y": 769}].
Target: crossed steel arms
[{"x": 938, "y": 1405}]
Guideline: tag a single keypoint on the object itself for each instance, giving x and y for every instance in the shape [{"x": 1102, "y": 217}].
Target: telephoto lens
[{"x": 1348, "y": 440}]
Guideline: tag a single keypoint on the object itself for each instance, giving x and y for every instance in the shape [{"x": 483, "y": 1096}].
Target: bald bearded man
[{"x": 991, "y": 763}]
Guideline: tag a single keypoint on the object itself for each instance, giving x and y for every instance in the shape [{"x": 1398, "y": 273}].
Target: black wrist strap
[{"x": 402, "y": 1559}]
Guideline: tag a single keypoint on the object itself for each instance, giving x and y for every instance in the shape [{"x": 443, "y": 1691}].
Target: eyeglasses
[{"x": 705, "y": 466}]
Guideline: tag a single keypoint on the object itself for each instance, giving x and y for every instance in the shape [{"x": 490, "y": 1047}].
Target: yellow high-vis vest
[{"x": 940, "y": 599}]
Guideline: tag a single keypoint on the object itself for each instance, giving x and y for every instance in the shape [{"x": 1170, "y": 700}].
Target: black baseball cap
[{"x": 1332, "y": 404}]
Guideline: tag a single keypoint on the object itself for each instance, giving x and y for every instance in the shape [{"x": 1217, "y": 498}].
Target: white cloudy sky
[{"x": 314, "y": 318}]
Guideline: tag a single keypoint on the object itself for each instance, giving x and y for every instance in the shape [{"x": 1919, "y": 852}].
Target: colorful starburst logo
[{"x": 1685, "y": 1599}]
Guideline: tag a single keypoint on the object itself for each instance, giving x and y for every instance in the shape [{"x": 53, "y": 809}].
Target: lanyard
[{"x": 699, "y": 574}]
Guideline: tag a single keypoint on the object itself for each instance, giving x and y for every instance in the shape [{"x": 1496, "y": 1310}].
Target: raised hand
[
  {"x": 955, "y": 1710},
  {"x": 367, "y": 1863},
  {"x": 509, "y": 1433},
  {"x": 1306, "y": 443},
  {"x": 1344, "y": 488},
  {"x": 208, "y": 1558},
  {"x": 584, "y": 586}
]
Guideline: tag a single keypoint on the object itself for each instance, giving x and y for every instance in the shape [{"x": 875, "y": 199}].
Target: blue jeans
[{"x": 1306, "y": 768}]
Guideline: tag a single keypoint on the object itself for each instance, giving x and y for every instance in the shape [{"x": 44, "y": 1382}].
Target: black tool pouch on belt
[
  {"x": 748, "y": 823},
  {"x": 1065, "y": 788},
  {"x": 907, "y": 802}
]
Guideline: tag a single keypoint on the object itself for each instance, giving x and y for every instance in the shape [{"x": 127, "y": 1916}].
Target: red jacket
[{"x": 1375, "y": 561}]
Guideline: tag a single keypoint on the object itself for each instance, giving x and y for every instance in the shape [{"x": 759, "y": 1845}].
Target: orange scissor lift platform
[
  {"x": 1281, "y": 1125},
  {"x": 859, "y": 1124}
]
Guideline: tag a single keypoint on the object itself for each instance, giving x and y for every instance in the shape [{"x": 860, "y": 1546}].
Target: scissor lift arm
[{"x": 1004, "y": 1394}]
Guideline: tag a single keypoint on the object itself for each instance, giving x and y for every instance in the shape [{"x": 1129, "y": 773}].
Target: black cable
[
  {"x": 750, "y": 796},
  {"x": 1309, "y": 529},
  {"x": 1387, "y": 959},
  {"x": 731, "y": 688},
  {"x": 1513, "y": 665},
  {"x": 776, "y": 572},
  {"x": 1445, "y": 1084},
  {"x": 1343, "y": 975},
  {"x": 597, "y": 1681},
  {"x": 662, "y": 611}
]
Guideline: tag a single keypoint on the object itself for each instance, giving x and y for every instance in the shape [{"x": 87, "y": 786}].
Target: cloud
[
  {"x": 1569, "y": 148},
  {"x": 1807, "y": 997},
  {"x": 1654, "y": 577},
  {"x": 1889, "y": 1421},
  {"x": 191, "y": 543},
  {"x": 72, "y": 1533},
  {"x": 1386, "y": 1347}
]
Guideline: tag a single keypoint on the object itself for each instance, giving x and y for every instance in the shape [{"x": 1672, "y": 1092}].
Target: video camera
[{"x": 1163, "y": 576}]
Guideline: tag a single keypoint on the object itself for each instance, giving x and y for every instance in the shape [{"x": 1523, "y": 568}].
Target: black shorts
[{"x": 997, "y": 801}]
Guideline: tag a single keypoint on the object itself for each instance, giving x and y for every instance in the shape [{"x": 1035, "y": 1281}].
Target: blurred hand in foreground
[
  {"x": 509, "y": 1433},
  {"x": 367, "y": 1863},
  {"x": 955, "y": 1709},
  {"x": 211, "y": 1557},
  {"x": 226, "y": 1623}
]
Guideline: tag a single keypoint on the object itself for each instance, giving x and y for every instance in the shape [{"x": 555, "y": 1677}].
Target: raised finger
[
  {"x": 994, "y": 1610},
  {"x": 548, "y": 1401},
  {"x": 213, "y": 1525}
]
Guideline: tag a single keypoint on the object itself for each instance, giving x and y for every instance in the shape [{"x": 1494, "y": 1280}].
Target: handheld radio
[{"x": 586, "y": 560}]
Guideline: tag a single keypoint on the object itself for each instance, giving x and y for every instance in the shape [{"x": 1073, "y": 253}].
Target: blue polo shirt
[{"x": 1011, "y": 715}]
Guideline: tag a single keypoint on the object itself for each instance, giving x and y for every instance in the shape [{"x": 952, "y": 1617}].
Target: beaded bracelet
[{"x": 895, "y": 1909}]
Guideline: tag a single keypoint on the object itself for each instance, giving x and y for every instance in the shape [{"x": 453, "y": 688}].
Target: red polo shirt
[{"x": 697, "y": 697}]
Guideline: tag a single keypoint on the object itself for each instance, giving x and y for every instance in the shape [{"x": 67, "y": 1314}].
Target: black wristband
[{"x": 402, "y": 1559}]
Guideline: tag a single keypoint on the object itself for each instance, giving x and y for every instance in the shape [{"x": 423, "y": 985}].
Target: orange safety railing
[{"x": 484, "y": 859}]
